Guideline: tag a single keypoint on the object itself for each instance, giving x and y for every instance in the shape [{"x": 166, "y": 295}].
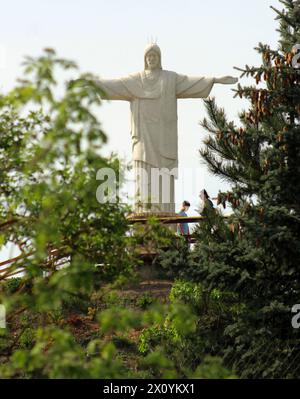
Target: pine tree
[{"x": 256, "y": 253}]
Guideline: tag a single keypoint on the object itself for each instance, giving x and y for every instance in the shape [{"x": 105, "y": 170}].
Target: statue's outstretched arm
[
  {"x": 226, "y": 80},
  {"x": 115, "y": 89},
  {"x": 198, "y": 86},
  {"x": 112, "y": 89}
]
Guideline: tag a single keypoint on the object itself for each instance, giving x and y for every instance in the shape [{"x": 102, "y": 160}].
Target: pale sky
[{"x": 196, "y": 37}]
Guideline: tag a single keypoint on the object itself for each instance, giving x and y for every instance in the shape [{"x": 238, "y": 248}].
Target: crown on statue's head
[{"x": 152, "y": 40}]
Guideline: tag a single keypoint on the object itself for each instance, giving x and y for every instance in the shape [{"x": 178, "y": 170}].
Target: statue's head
[{"x": 152, "y": 57}]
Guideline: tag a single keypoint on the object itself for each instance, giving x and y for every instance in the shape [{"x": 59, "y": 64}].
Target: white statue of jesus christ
[{"x": 153, "y": 95}]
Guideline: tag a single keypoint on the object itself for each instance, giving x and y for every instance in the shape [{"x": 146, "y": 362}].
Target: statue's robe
[{"x": 154, "y": 113}]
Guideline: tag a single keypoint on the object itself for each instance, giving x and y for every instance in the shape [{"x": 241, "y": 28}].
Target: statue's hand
[
  {"x": 76, "y": 83},
  {"x": 226, "y": 80}
]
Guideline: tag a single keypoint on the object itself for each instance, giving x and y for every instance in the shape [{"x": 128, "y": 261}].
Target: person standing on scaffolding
[
  {"x": 183, "y": 228},
  {"x": 206, "y": 204}
]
